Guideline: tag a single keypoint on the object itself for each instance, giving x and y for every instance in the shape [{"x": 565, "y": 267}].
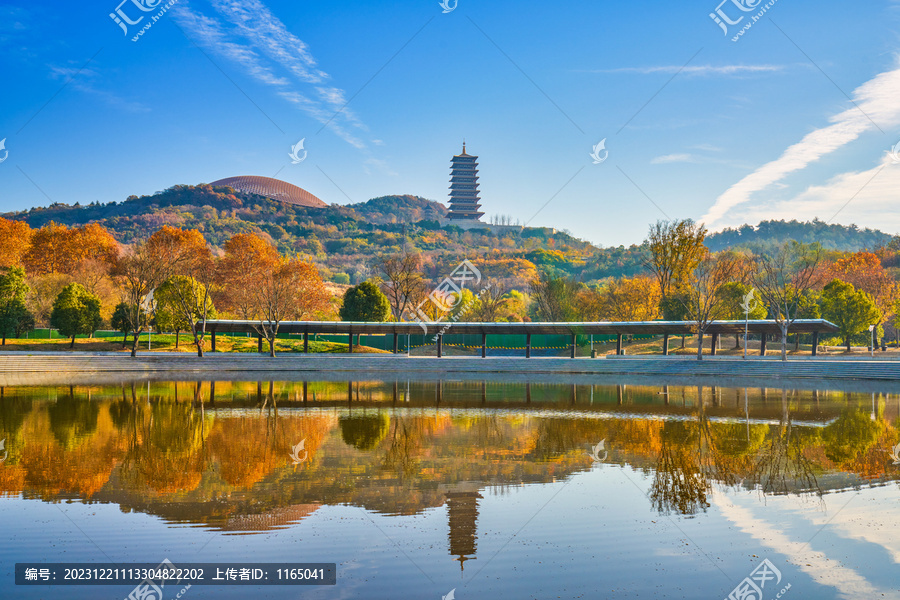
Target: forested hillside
[{"x": 343, "y": 240}]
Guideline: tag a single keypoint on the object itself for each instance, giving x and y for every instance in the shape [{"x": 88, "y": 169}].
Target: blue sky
[{"x": 795, "y": 119}]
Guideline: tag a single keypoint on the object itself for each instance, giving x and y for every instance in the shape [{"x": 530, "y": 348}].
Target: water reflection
[{"x": 219, "y": 454}]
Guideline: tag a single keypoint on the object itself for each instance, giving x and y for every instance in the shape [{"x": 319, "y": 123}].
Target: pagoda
[{"x": 464, "y": 200}]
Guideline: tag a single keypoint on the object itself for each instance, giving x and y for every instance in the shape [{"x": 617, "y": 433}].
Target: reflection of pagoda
[
  {"x": 462, "y": 509},
  {"x": 464, "y": 200}
]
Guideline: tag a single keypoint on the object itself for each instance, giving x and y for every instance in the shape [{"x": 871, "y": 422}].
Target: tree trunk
[
  {"x": 784, "y": 342},
  {"x": 700, "y": 346},
  {"x": 177, "y": 334},
  {"x": 72, "y": 345},
  {"x": 737, "y": 341},
  {"x": 199, "y": 348},
  {"x": 125, "y": 340},
  {"x": 682, "y": 342},
  {"x": 847, "y": 341},
  {"x": 4, "y": 338},
  {"x": 137, "y": 335},
  {"x": 272, "y": 347}
]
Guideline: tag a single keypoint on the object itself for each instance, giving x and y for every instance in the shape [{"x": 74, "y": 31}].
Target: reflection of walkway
[{"x": 462, "y": 512}]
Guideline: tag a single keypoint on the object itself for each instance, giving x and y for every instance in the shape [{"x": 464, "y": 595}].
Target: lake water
[{"x": 489, "y": 490}]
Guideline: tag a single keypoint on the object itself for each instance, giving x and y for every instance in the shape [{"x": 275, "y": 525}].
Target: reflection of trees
[
  {"x": 782, "y": 465},
  {"x": 553, "y": 437},
  {"x": 850, "y": 435},
  {"x": 678, "y": 484},
  {"x": 169, "y": 456},
  {"x": 364, "y": 432},
  {"x": 12, "y": 415},
  {"x": 403, "y": 444},
  {"x": 72, "y": 419}
]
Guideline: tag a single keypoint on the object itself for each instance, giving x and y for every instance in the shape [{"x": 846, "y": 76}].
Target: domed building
[{"x": 271, "y": 188}]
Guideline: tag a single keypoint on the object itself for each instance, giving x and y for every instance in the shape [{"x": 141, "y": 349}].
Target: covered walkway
[{"x": 619, "y": 329}]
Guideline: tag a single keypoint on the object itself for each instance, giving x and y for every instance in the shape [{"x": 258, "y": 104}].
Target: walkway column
[
  {"x": 665, "y": 344},
  {"x": 527, "y": 345},
  {"x": 305, "y": 390},
  {"x": 440, "y": 340},
  {"x": 762, "y": 344},
  {"x": 573, "y": 346},
  {"x": 715, "y": 343},
  {"x": 259, "y": 344},
  {"x": 212, "y": 340},
  {"x": 483, "y": 345},
  {"x": 351, "y": 341},
  {"x": 815, "y": 344},
  {"x": 618, "y": 344},
  {"x": 306, "y": 342},
  {"x": 396, "y": 347}
]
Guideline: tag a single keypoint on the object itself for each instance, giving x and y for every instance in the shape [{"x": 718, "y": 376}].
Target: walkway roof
[{"x": 534, "y": 328}]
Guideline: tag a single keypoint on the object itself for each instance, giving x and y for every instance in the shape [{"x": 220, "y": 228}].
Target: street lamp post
[{"x": 872, "y": 339}]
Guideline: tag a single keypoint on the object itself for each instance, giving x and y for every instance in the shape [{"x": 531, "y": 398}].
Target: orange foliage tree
[
  {"x": 247, "y": 257},
  {"x": 15, "y": 237},
  {"x": 57, "y": 249},
  {"x": 865, "y": 271}
]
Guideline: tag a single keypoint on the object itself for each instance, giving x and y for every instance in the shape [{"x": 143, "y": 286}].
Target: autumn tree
[
  {"x": 676, "y": 248},
  {"x": 293, "y": 290},
  {"x": 865, "y": 272},
  {"x": 184, "y": 254},
  {"x": 490, "y": 304},
  {"x": 247, "y": 258},
  {"x": 704, "y": 300},
  {"x": 121, "y": 320},
  {"x": 735, "y": 297},
  {"x": 185, "y": 303},
  {"x": 402, "y": 281},
  {"x": 554, "y": 298},
  {"x": 14, "y": 317},
  {"x": 58, "y": 249},
  {"x": 15, "y": 238},
  {"x": 365, "y": 302},
  {"x": 169, "y": 313},
  {"x": 630, "y": 299},
  {"x": 138, "y": 272},
  {"x": 42, "y": 292},
  {"x": 783, "y": 279},
  {"x": 76, "y": 312},
  {"x": 852, "y": 310}
]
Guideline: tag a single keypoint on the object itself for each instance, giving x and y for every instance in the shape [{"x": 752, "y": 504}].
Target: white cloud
[
  {"x": 867, "y": 198},
  {"x": 876, "y": 100},
  {"x": 672, "y": 158},
  {"x": 249, "y": 35},
  {"x": 696, "y": 69}
]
